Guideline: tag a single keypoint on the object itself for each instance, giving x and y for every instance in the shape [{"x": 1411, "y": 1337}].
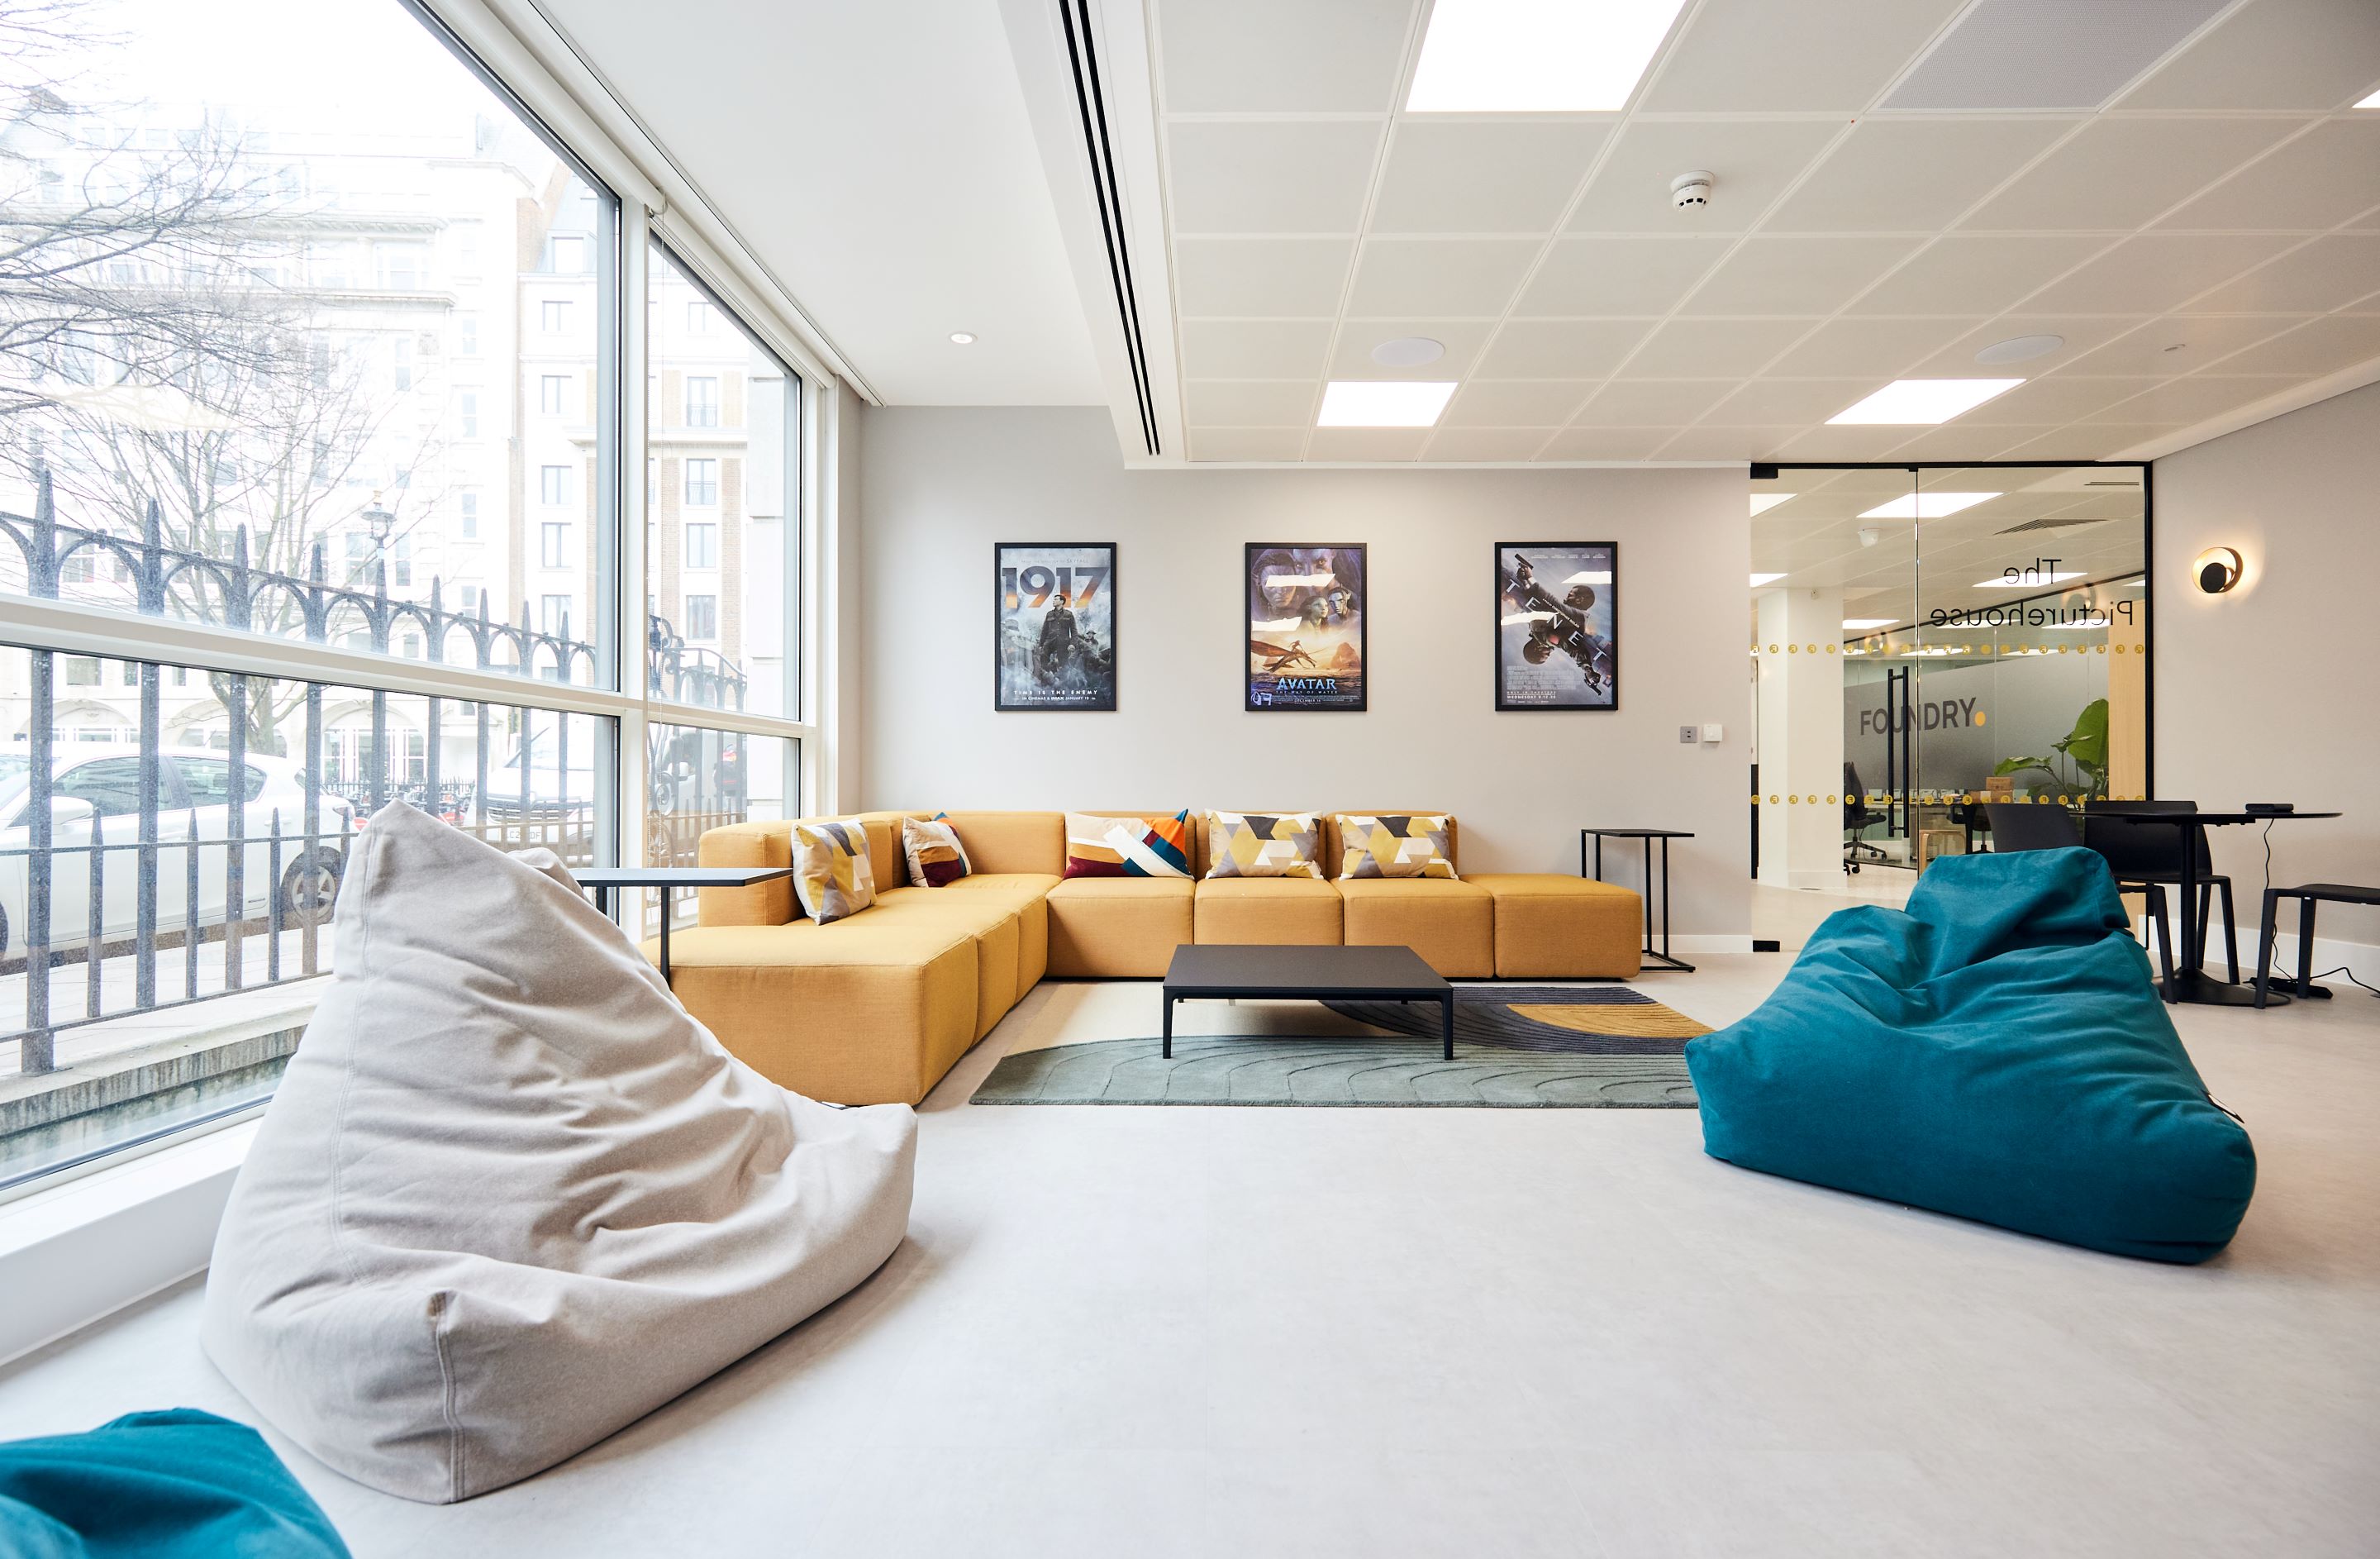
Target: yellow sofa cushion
[
  {"x": 1005, "y": 843},
  {"x": 770, "y": 843},
  {"x": 1118, "y": 927},
  {"x": 1450, "y": 924},
  {"x": 1550, "y": 927},
  {"x": 1298, "y": 911}
]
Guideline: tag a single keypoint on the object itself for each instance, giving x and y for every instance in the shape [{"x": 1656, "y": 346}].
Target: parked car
[{"x": 98, "y": 785}]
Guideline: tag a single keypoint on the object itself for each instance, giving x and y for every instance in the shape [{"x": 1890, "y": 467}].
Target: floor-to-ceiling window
[{"x": 312, "y": 343}]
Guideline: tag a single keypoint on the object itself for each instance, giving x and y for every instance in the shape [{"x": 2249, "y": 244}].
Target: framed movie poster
[
  {"x": 1308, "y": 609},
  {"x": 1557, "y": 625},
  {"x": 1053, "y": 626}
]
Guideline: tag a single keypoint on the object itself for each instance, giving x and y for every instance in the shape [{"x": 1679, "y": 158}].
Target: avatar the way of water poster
[
  {"x": 1307, "y": 612},
  {"x": 1054, "y": 626},
  {"x": 1557, "y": 634}
]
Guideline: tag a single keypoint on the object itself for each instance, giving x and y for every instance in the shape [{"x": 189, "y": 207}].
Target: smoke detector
[
  {"x": 1870, "y": 535},
  {"x": 1689, "y": 191}
]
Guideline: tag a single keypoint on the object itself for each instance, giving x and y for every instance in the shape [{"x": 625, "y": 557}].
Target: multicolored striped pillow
[
  {"x": 1098, "y": 847},
  {"x": 935, "y": 855}
]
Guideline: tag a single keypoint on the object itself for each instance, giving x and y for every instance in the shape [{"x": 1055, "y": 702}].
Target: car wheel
[
  {"x": 4, "y": 933},
  {"x": 310, "y": 888}
]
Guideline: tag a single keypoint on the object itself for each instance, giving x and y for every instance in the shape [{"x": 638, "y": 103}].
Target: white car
[{"x": 96, "y": 784}]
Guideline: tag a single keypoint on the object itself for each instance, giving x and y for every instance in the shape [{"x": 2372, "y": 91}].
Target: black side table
[
  {"x": 603, "y": 879},
  {"x": 1659, "y": 956}
]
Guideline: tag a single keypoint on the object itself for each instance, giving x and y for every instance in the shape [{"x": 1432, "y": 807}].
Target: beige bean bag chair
[{"x": 510, "y": 1197}]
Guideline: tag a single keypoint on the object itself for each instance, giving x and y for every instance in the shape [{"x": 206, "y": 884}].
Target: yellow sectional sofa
[{"x": 877, "y": 1007}]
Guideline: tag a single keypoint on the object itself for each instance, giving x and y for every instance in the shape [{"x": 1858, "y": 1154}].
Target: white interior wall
[
  {"x": 2264, "y": 694},
  {"x": 939, "y": 485}
]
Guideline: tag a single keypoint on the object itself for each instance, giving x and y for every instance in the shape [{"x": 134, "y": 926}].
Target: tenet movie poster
[
  {"x": 1557, "y": 625},
  {"x": 1054, "y": 626},
  {"x": 1307, "y": 608}
]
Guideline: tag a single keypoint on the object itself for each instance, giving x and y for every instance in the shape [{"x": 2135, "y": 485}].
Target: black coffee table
[{"x": 1222, "y": 971}]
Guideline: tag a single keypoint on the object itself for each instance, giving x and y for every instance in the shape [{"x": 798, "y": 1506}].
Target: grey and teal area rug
[{"x": 1515, "y": 1047}]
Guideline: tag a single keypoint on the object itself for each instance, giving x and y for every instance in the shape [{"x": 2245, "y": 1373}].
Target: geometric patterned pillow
[
  {"x": 1098, "y": 847},
  {"x": 936, "y": 857},
  {"x": 831, "y": 871},
  {"x": 1394, "y": 847},
  {"x": 1255, "y": 845}
]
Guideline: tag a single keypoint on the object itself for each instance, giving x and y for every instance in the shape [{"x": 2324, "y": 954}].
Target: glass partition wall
[
  {"x": 317, "y": 494},
  {"x": 1927, "y": 638}
]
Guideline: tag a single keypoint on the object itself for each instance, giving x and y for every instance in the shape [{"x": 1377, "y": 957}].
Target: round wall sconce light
[{"x": 2217, "y": 570}]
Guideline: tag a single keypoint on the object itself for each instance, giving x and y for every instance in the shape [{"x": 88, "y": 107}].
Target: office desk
[{"x": 2190, "y": 982}]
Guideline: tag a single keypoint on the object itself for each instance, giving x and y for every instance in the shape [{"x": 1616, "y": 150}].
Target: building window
[
  {"x": 553, "y": 614},
  {"x": 554, "y": 315},
  {"x": 400, "y": 266},
  {"x": 703, "y": 402},
  {"x": 701, "y": 319},
  {"x": 82, "y": 671},
  {"x": 554, "y": 548},
  {"x": 702, "y": 483},
  {"x": 553, "y": 484},
  {"x": 401, "y": 561},
  {"x": 467, "y": 414},
  {"x": 467, "y": 335},
  {"x": 703, "y": 616},
  {"x": 652, "y": 480},
  {"x": 466, "y": 519},
  {"x": 701, "y": 545},
  {"x": 550, "y": 390},
  {"x": 401, "y": 352},
  {"x": 565, "y": 254}
]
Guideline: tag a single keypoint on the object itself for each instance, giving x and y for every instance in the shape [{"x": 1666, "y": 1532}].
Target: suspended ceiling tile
[
  {"x": 1752, "y": 161},
  {"x": 2058, "y": 399},
  {"x": 1850, "y": 444},
  {"x": 1252, "y": 403},
  {"x": 1261, "y": 278},
  {"x": 2155, "y": 273},
  {"x": 1438, "y": 277},
  {"x": 1771, "y": 275},
  {"x": 1473, "y": 175},
  {"x": 1254, "y": 349},
  {"x": 2095, "y": 442},
  {"x": 1749, "y": 56},
  {"x": 1652, "y": 403},
  {"x": 1560, "y": 348},
  {"x": 1487, "y": 443},
  {"x": 2117, "y": 174},
  {"x": 1964, "y": 442},
  {"x": 1271, "y": 177},
  {"x": 2080, "y": 333},
  {"x": 1713, "y": 348},
  {"x": 2180, "y": 344},
  {"x": 2006, "y": 56},
  {"x": 1605, "y": 444},
  {"x": 2319, "y": 346},
  {"x": 2313, "y": 183},
  {"x": 1526, "y": 403},
  {"x": 1282, "y": 56},
  {"x": 1894, "y": 176},
  {"x": 1799, "y": 401},
  {"x": 1247, "y": 444},
  {"x": 1461, "y": 339},
  {"x": 2317, "y": 55},
  {"x": 1977, "y": 272},
  {"x": 1877, "y": 348},
  {"x": 1366, "y": 444},
  {"x": 2329, "y": 273},
  {"x": 1727, "y": 444},
  {"x": 2195, "y": 399},
  {"x": 1620, "y": 275}
]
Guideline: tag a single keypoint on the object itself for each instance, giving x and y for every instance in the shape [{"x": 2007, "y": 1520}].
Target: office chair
[
  {"x": 1858, "y": 816},
  {"x": 2017, "y": 825},
  {"x": 2147, "y": 857}
]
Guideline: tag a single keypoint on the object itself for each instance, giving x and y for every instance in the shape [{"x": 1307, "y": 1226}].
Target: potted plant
[{"x": 2079, "y": 764}]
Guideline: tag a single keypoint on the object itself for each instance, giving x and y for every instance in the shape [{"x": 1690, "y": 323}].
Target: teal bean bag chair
[
  {"x": 1998, "y": 1051},
  {"x": 180, "y": 1484}
]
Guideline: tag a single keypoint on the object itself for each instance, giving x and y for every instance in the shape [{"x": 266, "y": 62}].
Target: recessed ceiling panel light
[
  {"x": 2018, "y": 348},
  {"x": 1408, "y": 352},
  {"x": 1860, "y": 623},
  {"x": 1925, "y": 505},
  {"x": 2372, "y": 102},
  {"x": 963, "y": 337},
  {"x": 1763, "y": 502},
  {"x": 1760, "y": 579},
  {"x": 1915, "y": 401},
  {"x": 2057, "y": 578},
  {"x": 1382, "y": 403},
  {"x": 1536, "y": 57}
]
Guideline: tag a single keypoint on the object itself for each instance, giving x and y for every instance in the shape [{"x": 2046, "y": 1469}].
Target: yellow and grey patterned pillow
[
  {"x": 831, "y": 871},
  {"x": 1389, "y": 845},
  {"x": 1257, "y": 845}
]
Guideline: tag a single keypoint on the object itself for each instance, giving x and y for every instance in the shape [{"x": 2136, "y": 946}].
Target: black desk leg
[
  {"x": 1168, "y": 1052},
  {"x": 2265, "y": 951},
  {"x": 1446, "y": 1020},
  {"x": 666, "y": 920},
  {"x": 603, "y": 902}
]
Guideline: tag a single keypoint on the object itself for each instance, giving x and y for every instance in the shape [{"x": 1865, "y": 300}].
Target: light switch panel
[
  {"x": 1689, "y": 734},
  {"x": 1714, "y": 731}
]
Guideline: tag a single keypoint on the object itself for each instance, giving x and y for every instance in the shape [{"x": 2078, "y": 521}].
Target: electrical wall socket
[{"x": 1690, "y": 733}]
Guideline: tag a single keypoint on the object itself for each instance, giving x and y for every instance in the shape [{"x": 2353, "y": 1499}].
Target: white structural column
[{"x": 1802, "y": 737}]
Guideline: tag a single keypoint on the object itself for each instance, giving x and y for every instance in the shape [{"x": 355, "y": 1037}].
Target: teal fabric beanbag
[
  {"x": 1998, "y": 1051},
  {"x": 180, "y": 1484}
]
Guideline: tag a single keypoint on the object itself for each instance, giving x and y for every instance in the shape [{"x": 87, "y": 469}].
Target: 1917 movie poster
[
  {"x": 1306, "y": 616},
  {"x": 1557, "y": 644},
  {"x": 1055, "y": 626}
]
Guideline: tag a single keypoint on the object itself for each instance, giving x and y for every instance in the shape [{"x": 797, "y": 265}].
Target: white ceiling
[
  {"x": 2183, "y": 193},
  {"x": 878, "y": 159}
]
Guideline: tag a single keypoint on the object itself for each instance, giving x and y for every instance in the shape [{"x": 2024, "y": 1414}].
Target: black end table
[
  {"x": 1220, "y": 971},
  {"x": 1659, "y": 956},
  {"x": 603, "y": 879},
  {"x": 2190, "y": 983}
]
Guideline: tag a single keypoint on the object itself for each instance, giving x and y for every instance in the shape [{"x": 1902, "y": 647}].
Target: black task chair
[
  {"x": 2147, "y": 857},
  {"x": 2017, "y": 825},
  {"x": 1858, "y": 817}
]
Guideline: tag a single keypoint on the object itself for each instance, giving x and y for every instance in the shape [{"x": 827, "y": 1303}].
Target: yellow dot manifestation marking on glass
[{"x": 1772, "y": 648}]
